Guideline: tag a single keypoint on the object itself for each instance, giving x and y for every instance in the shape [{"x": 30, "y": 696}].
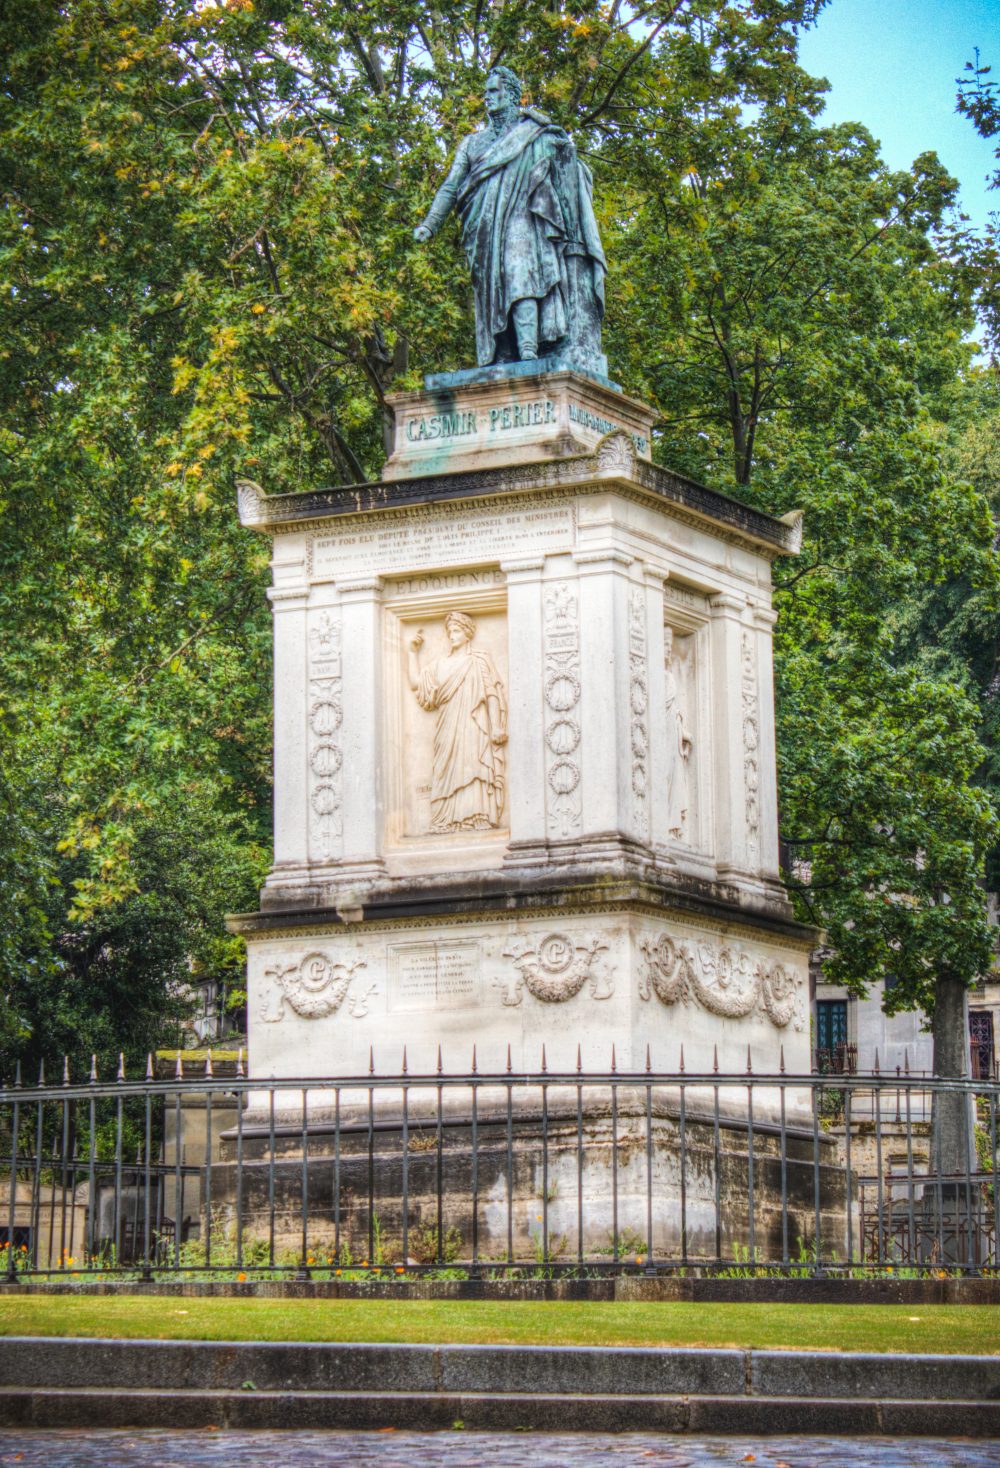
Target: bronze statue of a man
[{"x": 529, "y": 234}]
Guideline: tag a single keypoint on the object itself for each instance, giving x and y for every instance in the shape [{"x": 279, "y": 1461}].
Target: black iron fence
[{"x": 508, "y": 1174}]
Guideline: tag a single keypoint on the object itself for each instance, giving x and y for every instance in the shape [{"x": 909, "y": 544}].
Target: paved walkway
[{"x": 156, "y": 1449}]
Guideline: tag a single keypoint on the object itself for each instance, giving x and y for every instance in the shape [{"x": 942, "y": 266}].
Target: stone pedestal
[
  {"x": 525, "y": 770},
  {"x": 493, "y": 418},
  {"x": 570, "y": 1188}
]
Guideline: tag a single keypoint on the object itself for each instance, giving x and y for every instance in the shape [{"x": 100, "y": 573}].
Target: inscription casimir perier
[{"x": 464, "y": 690}]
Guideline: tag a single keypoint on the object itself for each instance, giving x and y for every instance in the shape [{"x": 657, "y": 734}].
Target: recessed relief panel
[
  {"x": 446, "y": 746},
  {"x": 681, "y": 782}
]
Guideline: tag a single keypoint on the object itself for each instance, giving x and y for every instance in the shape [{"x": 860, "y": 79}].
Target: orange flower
[{"x": 241, "y": 1275}]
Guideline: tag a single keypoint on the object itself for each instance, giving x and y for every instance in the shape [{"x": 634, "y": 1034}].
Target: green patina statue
[{"x": 529, "y": 233}]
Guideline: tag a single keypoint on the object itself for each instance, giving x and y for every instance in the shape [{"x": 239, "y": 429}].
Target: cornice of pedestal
[
  {"x": 613, "y": 465},
  {"x": 532, "y": 883}
]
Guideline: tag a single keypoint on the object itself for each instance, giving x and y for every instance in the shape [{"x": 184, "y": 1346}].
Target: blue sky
[{"x": 892, "y": 65}]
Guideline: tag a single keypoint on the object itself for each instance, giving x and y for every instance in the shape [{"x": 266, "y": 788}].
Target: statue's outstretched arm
[{"x": 445, "y": 197}]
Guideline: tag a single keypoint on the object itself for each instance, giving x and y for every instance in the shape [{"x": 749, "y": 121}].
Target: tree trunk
[{"x": 952, "y": 1138}]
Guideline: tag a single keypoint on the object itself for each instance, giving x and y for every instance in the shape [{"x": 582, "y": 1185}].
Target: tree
[
  {"x": 806, "y": 342},
  {"x": 979, "y": 100},
  {"x": 230, "y": 285},
  {"x": 206, "y": 238}
]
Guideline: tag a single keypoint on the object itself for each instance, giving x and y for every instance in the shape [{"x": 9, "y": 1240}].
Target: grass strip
[{"x": 948, "y": 1329}]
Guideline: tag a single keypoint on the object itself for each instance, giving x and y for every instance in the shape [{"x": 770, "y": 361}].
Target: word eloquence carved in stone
[
  {"x": 554, "y": 969},
  {"x": 728, "y": 981},
  {"x": 315, "y": 986}
]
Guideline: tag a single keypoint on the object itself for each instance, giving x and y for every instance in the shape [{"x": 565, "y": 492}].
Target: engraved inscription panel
[
  {"x": 428, "y": 976},
  {"x": 431, "y": 539}
]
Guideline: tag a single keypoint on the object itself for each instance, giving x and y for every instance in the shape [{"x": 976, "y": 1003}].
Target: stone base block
[
  {"x": 497, "y": 420},
  {"x": 594, "y": 985},
  {"x": 628, "y": 1185}
]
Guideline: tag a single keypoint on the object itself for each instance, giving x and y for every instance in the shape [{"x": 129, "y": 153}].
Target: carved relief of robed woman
[
  {"x": 464, "y": 689},
  {"x": 679, "y": 743}
]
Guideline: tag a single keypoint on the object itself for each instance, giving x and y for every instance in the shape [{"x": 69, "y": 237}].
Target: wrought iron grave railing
[{"x": 507, "y": 1174}]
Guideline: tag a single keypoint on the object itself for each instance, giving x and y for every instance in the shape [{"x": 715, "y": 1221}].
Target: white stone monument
[{"x": 525, "y": 787}]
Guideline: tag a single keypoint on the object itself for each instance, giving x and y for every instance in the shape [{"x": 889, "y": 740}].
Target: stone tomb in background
[{"x": 525, "y": 789}]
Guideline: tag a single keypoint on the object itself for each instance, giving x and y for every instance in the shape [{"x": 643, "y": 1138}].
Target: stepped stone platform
[{"x": 64, "y": 1383}]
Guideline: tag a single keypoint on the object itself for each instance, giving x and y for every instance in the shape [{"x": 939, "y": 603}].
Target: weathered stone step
[
  {"x": 303, "y": 1368},
  {"x": 110, "y": 1407}
]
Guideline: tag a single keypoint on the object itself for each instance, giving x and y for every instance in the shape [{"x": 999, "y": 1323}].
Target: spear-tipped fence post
[{"x": 12, "y": 1214}]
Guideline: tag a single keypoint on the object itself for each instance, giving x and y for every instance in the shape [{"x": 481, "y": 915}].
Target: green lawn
[{"x": 946, "y": 1328}]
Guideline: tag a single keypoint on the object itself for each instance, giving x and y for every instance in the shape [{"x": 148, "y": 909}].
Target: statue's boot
[{"x": 525, "y": 314}]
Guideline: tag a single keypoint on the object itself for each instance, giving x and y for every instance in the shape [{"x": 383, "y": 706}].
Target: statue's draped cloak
[{"x": 527, "y": 209}]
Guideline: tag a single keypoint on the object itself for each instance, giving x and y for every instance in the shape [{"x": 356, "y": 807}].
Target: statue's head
[
  {"x": 460, "y": 628},
  {"x": 503, "y": 90}
]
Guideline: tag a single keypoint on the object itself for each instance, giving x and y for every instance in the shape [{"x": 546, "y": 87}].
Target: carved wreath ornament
[
  {"x": 314, "y": 987},
  {"x": 554, "y": 969},
  {"x": 727, "y": 981}
]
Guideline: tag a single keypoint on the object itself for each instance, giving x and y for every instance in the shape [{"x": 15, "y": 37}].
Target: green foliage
[
  {"x": 979, "y": 100},
  {"x": 805, "y": 313},
  {"x": 208, "y": 267}
]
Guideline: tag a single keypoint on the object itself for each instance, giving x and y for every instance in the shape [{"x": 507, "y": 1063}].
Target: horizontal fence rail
[{"x": 479, "y": 1175}]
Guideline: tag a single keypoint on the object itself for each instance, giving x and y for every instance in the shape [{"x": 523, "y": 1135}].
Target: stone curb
[
  {"x": 110, "y": 1408},
  {"x": 632, "y": 1288},
  {"x": 510, "y": 1370},
  {"x": 65, "y": 1383}
]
